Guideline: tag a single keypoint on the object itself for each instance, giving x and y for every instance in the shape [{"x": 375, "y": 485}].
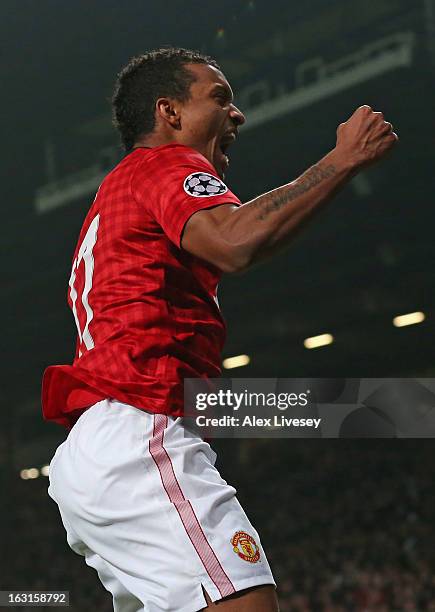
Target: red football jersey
[{"x": 146, "y": 311}]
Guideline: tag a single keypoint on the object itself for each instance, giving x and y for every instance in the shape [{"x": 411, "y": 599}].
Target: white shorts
[{"x": 148, "y": 510}]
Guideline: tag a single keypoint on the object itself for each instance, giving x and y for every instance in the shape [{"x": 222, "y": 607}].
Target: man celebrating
[{"x": 140, "y": 500}]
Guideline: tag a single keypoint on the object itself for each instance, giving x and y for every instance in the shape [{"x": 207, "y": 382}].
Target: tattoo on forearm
[{"x": 312, "y": 177}]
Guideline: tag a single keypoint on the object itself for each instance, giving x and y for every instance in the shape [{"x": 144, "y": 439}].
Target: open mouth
[
  {"x": 225, "y": 143},
  {"x": 223, "y": 149}
]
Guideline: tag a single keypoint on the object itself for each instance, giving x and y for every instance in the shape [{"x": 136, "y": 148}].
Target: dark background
[{"x": 365, "y": 259}]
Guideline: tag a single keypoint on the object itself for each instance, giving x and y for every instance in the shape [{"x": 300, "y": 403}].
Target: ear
[{"x": 168, "y": 110}]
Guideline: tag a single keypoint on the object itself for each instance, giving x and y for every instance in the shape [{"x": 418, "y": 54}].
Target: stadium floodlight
[
  {"x": 316, "y": 341},
  {"x": 29, "y": 474},
  {"x": 45, "y": 470},
  {"x": 409, "y": 319},
  {"x": 236, "y": 362}
]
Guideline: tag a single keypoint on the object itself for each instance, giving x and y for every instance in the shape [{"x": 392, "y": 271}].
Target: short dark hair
[{"x": 146, "y": 78}]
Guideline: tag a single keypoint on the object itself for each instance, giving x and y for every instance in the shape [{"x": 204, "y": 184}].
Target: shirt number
[{"x": 86, "y": 254}]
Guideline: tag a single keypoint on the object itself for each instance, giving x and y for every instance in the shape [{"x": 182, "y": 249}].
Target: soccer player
[{"x": 142, "y": 502}]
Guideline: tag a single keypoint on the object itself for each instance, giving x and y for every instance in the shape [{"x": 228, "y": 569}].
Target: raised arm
[{"x": 234, "y": 238}]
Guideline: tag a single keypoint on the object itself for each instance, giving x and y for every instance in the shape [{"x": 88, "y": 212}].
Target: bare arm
[{"x": 235, "y": 238}]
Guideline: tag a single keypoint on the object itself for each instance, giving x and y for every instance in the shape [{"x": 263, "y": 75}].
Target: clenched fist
[{"x": 365, "y": 137}]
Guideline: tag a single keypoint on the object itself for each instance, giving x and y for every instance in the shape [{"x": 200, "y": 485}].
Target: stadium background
[{"x": 348, "y": 524}]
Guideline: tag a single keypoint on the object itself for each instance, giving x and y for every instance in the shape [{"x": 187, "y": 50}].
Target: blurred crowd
[{"x": 347, "y": 525}]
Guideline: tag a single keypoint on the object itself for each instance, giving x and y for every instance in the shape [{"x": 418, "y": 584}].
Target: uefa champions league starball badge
[{"x": 203, "y": 185}]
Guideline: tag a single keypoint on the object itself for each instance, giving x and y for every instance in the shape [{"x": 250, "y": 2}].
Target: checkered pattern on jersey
[{"x": 146, "y": 310}]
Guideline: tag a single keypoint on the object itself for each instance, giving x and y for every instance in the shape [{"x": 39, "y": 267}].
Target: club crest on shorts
[
  {"x": 245, "y": 546},
  {"x": 203, "y": 185}
]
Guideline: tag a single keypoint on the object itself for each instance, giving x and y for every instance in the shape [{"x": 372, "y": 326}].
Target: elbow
[{"x": 238, "y": 262}]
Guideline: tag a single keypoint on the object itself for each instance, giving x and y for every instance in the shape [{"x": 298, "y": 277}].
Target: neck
[{"x": 154, "y": 140}]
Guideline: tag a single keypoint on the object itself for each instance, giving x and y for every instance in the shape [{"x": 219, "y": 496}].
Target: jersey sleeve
[{"x": 175, "y": 181}]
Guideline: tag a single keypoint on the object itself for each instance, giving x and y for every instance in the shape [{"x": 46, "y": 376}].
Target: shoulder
[
  {"x": 172, "y": 156},
  {"x": 176, "y": 168}
]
